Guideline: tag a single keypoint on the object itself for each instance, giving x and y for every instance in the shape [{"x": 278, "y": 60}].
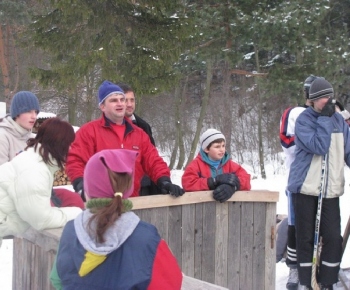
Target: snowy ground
[{"x": 273, "y": 183}]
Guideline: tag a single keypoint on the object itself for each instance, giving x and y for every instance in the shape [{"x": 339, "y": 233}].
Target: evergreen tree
[{"x": 135, "y": 42}]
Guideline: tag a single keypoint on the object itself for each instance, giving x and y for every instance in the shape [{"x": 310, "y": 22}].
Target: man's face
[
  {"x": 114, "y": 108},
  {"x": 130, "y": 104}
]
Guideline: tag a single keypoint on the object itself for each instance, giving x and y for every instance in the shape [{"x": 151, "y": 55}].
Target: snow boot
[
  {"x": 293, "y": 279},
  {"x": 326, "y": 287}
]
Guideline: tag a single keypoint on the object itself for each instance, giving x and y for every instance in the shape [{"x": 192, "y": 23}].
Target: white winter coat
[{"x": 25, "y": 191}]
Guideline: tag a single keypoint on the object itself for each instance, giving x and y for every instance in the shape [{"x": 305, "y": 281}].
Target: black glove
[
  {"x": 55, "y": 200},
  {"x": 78, "y": 185},
  {"x": 167, "y": 187},
  {"x": 211, "y": 183},
  {"x": 329, "y": 108},
  {"x": 227, "y": 178},
  {"x": 223, "y": 192}
]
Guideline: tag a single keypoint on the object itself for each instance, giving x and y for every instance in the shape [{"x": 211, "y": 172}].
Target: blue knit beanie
[
  {"x": 106, "y": 89},
  {"x": 23, "y": 102}
]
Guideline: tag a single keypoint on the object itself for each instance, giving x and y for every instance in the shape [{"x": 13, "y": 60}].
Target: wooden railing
[{"x": 230, "y": 244}]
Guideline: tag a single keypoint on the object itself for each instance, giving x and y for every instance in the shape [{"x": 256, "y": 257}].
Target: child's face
[
  {"x": 216, "y": 151},
  {"x": 27, "y": 120},
  {"x": 319, "y": 104}
]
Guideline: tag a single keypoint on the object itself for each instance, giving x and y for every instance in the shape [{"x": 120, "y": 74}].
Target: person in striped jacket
[{"x": 287, "y": 138}]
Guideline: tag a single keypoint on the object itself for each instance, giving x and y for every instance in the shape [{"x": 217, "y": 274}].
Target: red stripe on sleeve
[{"x": 166, "y": 273}]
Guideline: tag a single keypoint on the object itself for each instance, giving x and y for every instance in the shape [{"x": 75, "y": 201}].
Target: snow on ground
[{"x": 273, "y": 183}]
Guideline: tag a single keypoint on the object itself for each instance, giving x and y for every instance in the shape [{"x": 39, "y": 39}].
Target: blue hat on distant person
[
  {"x": 106, "y": 89},
  {"x": 23, "y": 102}
]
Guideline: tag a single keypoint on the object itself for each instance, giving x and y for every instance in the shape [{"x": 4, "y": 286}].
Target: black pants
[
  {"x": 305, "y": 207},
  {"x": 291, "y": 260},
  {"x": 148, "y": 187}
]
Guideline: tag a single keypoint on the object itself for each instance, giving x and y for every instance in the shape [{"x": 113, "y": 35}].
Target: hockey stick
[
  {"x": 346, "y": 235},
  {"x": 314, "y": 283},
  {"x": 341, "y": 276}
]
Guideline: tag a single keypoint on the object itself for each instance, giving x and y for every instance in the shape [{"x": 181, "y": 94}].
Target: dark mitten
[
  {"x": 78, "y": 185},
  {"x": 329, "y": 108},
  {"x": 55, "y": 200},
  {"x": 228, "y": 178},
  {"x": 167, "y": 187},
  {"x": 211, "y": 183},
  {"x": 223, "y": 192}
]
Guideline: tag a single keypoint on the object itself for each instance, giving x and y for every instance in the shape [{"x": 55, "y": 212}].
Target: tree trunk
[
  {"x": 90, "y": 99},
  {"x": 72, "y": 106},
  {"x": 227, "y": 114},
  {"x": 203, "y": 111},
  {"x": 177, "y": 127},
  {"x": 4, "y": 67},
  {"x": 260, "y": 137},
  {"x": 180, "y": 135}
]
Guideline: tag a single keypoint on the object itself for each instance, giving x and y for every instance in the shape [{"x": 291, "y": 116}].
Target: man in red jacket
[{"x": 114, "y": 131}]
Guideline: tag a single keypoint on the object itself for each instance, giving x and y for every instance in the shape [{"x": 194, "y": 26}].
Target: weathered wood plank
[
  {"x": 200, "y": 197},
  {"x": 17, "y": 261},
  {"x": 198, "y": 240},
  {"x": 221, "y": 239},
  {"x": 234, "y": 245},
  {"x": 47, "y": 240},
  {"x": 175, "y": 232},
  {"x": 188, "y": 214},
  {"x": 247, "y": 240},
  {"x": 209, "y": 230},
  {"x": 38, "y": 260},
  {"x": 259, "y": 245},
  {"x": 270, "y": 250},
  {"x": 159, "y": 218}
]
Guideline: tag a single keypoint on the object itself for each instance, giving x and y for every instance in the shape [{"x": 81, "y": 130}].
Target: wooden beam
[{"x": 153, "y": 201}]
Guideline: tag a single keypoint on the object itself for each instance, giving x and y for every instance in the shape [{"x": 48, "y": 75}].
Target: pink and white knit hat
[{"x": 96, "y": 179}]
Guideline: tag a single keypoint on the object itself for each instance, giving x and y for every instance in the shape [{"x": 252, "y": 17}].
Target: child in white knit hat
[{"x": 213, "y": 169}]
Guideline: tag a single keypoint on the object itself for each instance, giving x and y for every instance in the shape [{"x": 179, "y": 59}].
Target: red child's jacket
[{"x": 198, "y": 171}]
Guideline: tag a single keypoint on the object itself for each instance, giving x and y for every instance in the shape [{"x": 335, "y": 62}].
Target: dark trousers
[
  {"x": 291, "y": 260},
  {"x": 148, "y": 187},
  {"x": 305, "y": 207}
]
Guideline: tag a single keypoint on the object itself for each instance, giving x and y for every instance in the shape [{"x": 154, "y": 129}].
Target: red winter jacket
[
  {"x": 197, "y": 172},
  {"x": 99, "y": 135}
]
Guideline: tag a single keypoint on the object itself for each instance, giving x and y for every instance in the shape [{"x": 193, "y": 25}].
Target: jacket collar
[{"x": 107, "y": 123}]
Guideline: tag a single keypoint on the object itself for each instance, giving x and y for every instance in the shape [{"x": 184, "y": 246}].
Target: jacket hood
[
  {"x": 115, "y": 236},
  {"x": 16, "y": 130}
]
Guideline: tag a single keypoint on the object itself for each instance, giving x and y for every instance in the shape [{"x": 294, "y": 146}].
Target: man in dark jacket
[
  {"x": 130, "y": 111},
  {"x": 148, "y": 187}
]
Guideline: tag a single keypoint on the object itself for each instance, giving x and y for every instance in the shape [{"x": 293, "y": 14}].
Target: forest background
[{"x": 231, "y": 65}]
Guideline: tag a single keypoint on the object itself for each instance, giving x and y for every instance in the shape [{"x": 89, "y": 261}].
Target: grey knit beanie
[
  {"x": 320, "y": 88},
  {"x": 209, "y": 136},
  {"x": 23, "y": 102}
]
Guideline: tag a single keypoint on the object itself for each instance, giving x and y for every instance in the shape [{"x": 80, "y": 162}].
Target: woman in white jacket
[{"x": 26, "y": 182}]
